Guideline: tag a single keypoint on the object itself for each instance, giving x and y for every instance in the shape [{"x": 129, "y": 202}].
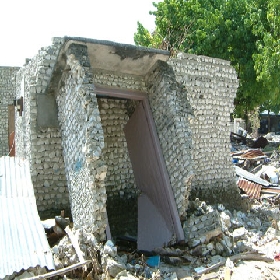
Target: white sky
[{"x": 28, "y": 25}]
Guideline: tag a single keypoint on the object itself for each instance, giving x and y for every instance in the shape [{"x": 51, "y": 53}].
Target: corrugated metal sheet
[
  {"x": 23, "y": 243},
  {"x": 252, "y": 189},
  {"x": 251, "y": 154}
]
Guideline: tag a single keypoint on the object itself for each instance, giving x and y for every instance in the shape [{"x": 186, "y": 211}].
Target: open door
[{"x": 158, "y": 219}]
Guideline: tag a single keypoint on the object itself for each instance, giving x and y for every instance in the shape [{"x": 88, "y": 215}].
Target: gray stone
[{"x": 239, "y": 234}]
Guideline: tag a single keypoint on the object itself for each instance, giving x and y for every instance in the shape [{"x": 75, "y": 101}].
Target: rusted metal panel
[
  {"x": 251, "y": 154},
  {"x": 23, "y": 242},
  {"x": 252, "y": 189}
]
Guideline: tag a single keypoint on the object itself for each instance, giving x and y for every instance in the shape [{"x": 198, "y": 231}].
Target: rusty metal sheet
[
  {"x": 252, "y": 189},
  {"x": 251, "y": 154}
]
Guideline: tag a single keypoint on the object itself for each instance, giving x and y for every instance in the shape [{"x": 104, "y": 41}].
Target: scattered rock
[
  {"x": 114, "y": 268},
  {"x": 239, "y": 234}
]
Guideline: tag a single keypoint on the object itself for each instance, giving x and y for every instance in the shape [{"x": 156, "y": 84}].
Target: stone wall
[
  {"x": 41, "y": 144},
  {"x": 82, "y": 142},
  {"x": 211, "y": 86},
  {"x": 120, "y": 184},
  {"x": 171, "y": 112},
  {"x": 7, "y": 95}
]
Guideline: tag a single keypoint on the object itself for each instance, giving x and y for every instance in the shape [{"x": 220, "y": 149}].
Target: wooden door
[
  {"x": 158, "y": 219},
  {"x": 11, "y": 130}
]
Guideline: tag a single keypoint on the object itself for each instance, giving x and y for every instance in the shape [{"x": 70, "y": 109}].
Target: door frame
[
  {"x": 11, "y": 130},
  {"x": 140, "y": 96}
]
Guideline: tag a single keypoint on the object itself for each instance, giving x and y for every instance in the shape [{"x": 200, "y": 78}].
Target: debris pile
[
  {"x": 218, "y": 241},
  {"x": 257, "y": 164}
]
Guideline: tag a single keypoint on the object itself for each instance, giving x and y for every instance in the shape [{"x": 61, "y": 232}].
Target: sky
[{"x": 28, "y": 25}]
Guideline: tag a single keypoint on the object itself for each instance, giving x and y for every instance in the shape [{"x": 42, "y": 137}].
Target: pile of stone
[
  {"x": 216, "y": 239},
  {"x": 78, "y": 245},
  {"x": 217, "y": 231}
]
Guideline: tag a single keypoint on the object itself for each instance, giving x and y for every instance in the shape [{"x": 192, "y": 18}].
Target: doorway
[{"x": 148, "y": 197}]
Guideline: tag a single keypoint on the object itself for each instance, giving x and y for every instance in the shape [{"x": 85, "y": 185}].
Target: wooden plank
[
  {"x": 270, "y": 190},
  {"x": 75, "y": 244},
  {"x": 250, "y": 256},
  {"x": 127, "y": 94},
  {"x": 61, "y": 271},
  {"x": 11, "y": 130}
]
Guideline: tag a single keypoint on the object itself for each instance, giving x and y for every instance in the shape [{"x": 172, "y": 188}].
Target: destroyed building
[{"x": 122, "y": 136}]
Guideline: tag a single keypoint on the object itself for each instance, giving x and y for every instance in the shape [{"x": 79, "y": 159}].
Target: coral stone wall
[
  {"x": 120, "y": 183},
  {"x": 7, "y": 95},
  {"x": 41, "y": 145},
  {"x": 171, "y": 111},
  {"x": 211, "y": 86},
  {"x": 82, "y": 142}
]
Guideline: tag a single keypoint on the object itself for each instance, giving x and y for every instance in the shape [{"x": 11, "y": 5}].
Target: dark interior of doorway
[{"x": 122, "y": 193}]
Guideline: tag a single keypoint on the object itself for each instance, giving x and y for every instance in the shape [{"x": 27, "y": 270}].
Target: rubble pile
[
  {"x": 77, "y": 246},
  {"x": 217, "y": 241},
  {"x": 236, "y": 232},
  {"x": 257, "y": 170},
  {"x": 64, "y": 254}
]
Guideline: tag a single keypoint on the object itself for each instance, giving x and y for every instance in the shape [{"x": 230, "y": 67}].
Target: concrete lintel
[{"x": 121, "y": 58}]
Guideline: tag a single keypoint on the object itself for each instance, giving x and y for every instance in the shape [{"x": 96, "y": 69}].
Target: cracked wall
[{"x": 191, "y": 98}]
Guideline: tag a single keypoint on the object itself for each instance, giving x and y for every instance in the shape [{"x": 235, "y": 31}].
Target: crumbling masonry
[{"x": 72, "y": 132}]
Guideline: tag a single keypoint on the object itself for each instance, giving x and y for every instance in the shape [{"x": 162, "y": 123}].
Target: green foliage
[
  {"x": 246, "y": 32},
  {"x": 266, "y": 24},
  {"x": 144, "y": 38}
]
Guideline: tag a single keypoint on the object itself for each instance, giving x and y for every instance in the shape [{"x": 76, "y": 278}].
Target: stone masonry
[
  {"x": 211, "y": 85},
  {"x": 41, "y": 145},
  {"x": 83, "y": 141},
  {"x": 171, "y": 114},
  {"x": 120, "y": 184},
  {"x": 74, "y": 139}
]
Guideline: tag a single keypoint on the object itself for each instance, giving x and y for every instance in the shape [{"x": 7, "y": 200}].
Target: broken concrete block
[
  {"x": 113, "y": 267},
  {"x": 110, "y": 249},
  {"x": 194, "y": 242},
  {"x": 125, "y": 275},
  {"x": 225, "y": 220},
  {"x": 239, "y": 234}
]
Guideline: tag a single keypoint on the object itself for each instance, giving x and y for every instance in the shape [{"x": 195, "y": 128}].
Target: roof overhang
[{"x": 116, "y": 57}]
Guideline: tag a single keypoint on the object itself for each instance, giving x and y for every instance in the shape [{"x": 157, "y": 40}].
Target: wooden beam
[
  {"x": 61, "y": 271},
  {"x": 120, "y": 93}
]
